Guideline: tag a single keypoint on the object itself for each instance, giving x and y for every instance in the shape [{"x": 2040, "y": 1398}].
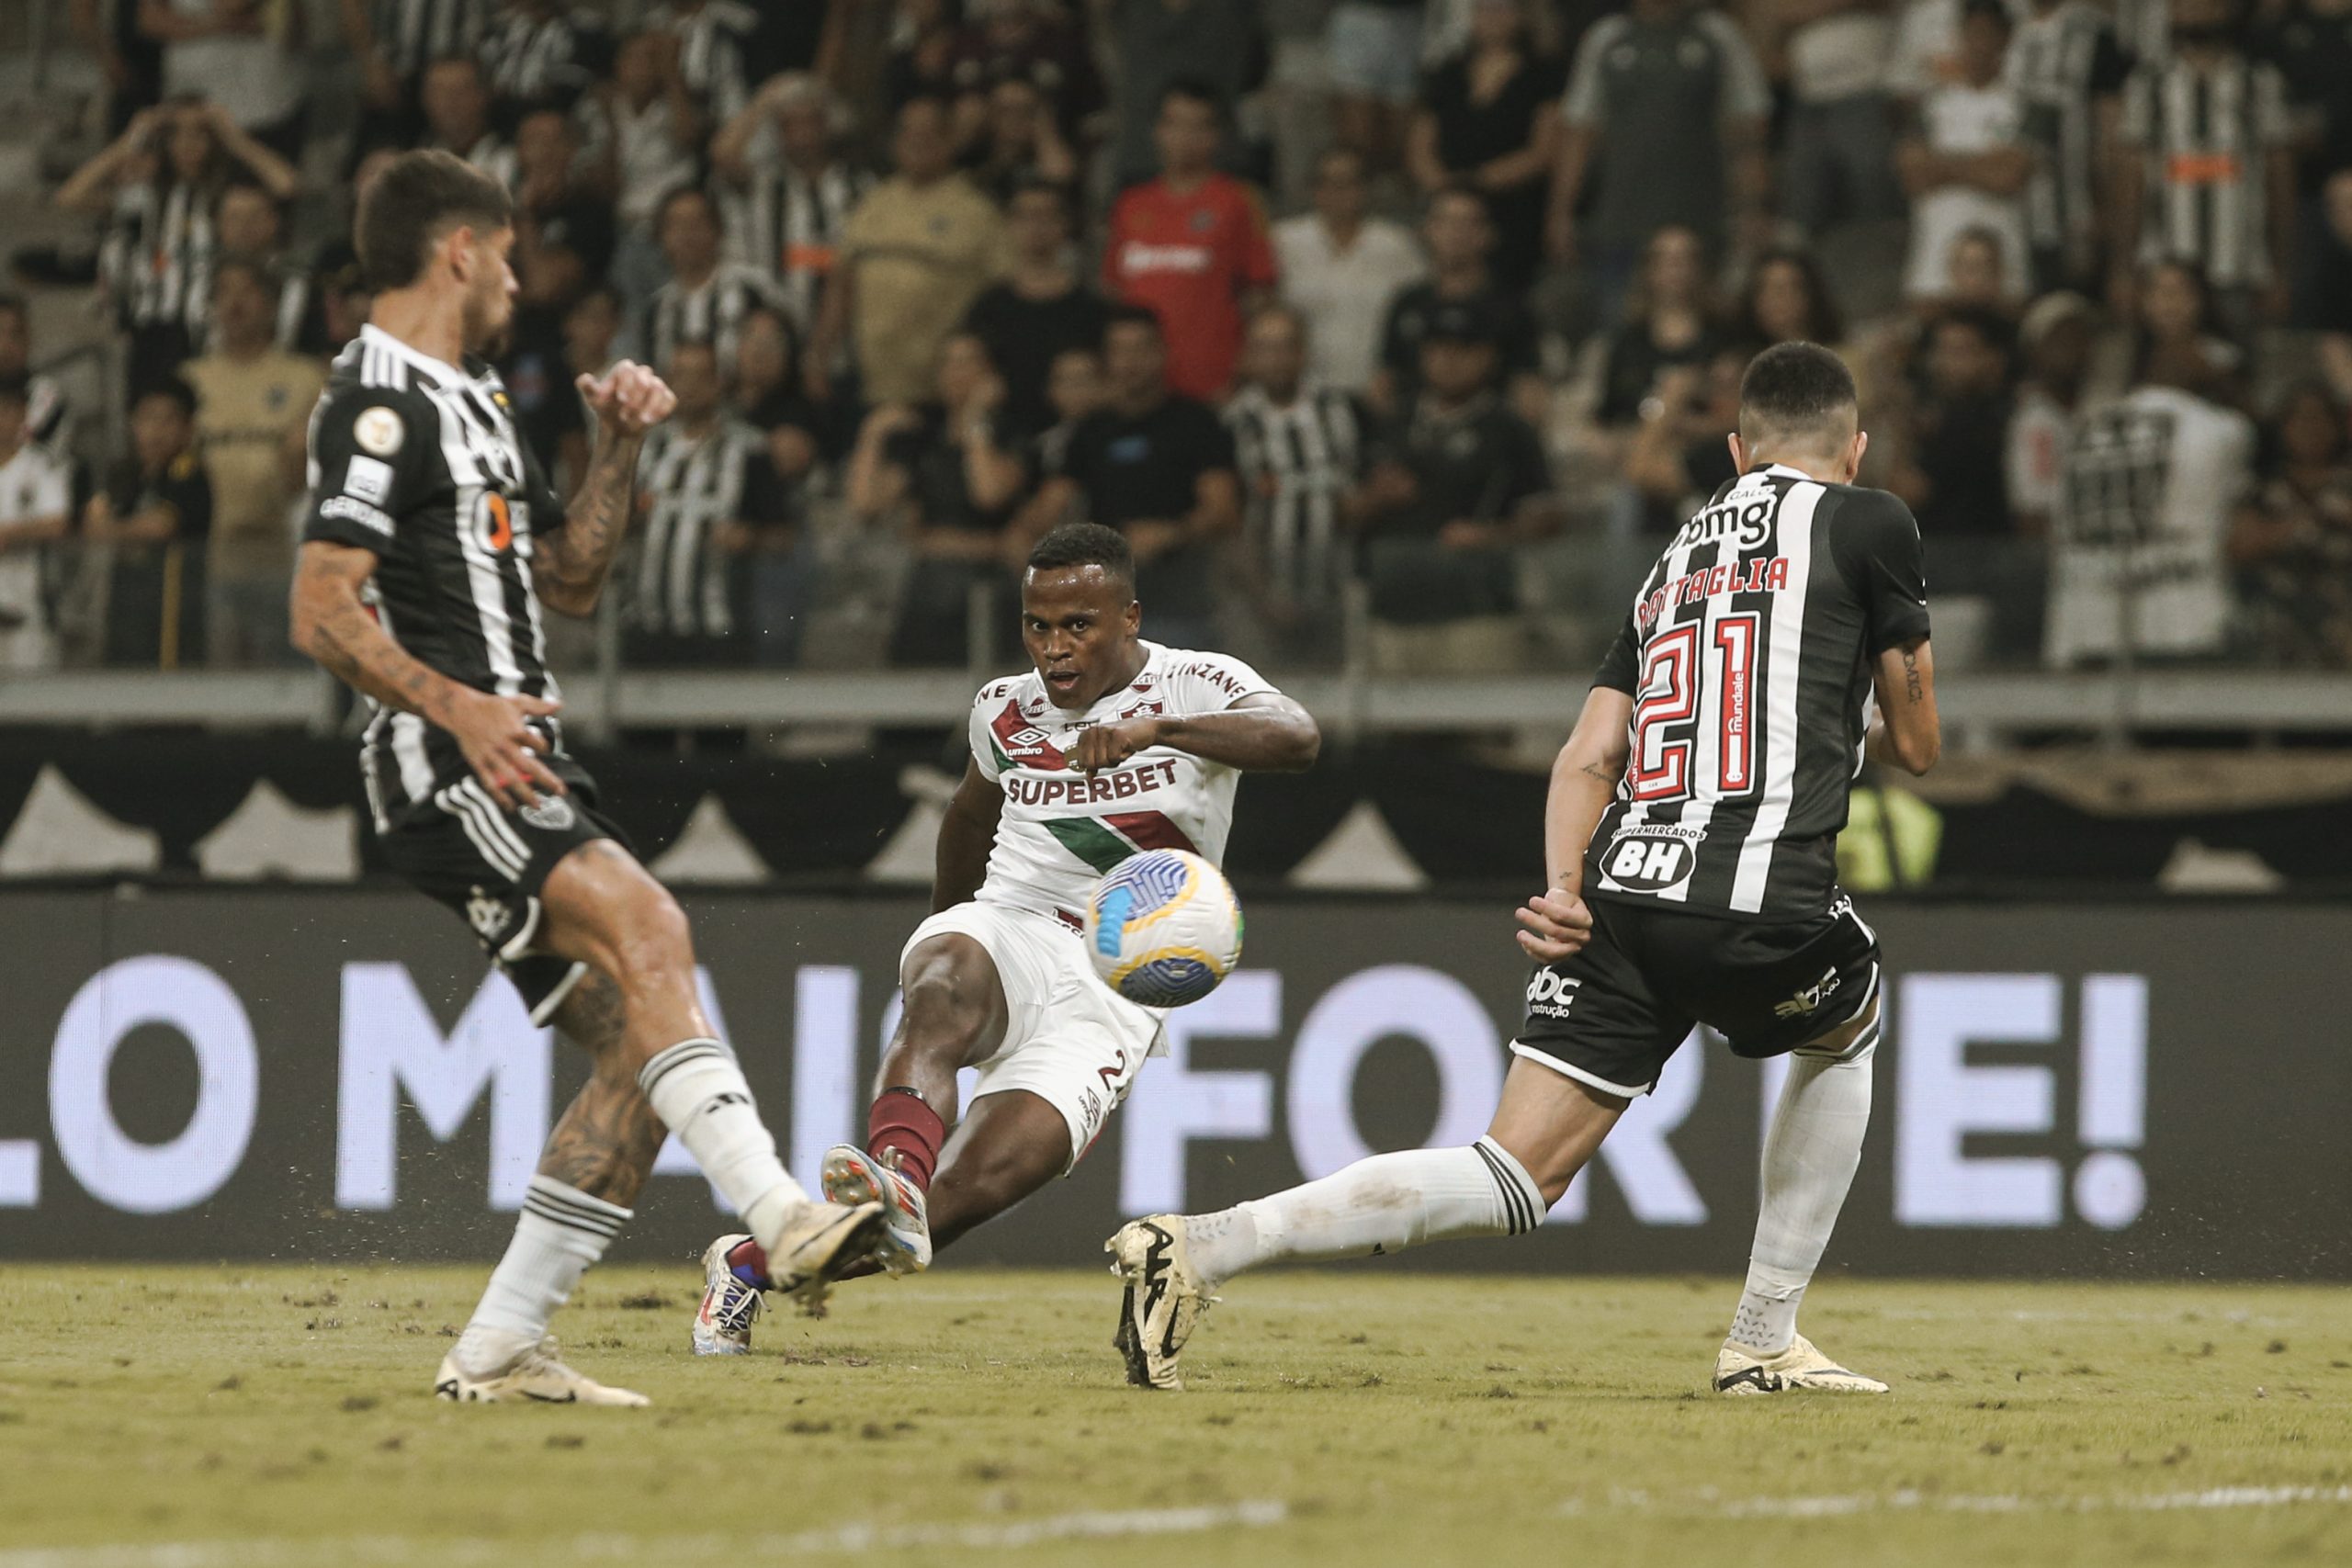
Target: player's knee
[{"x": 943, "y": 1008}]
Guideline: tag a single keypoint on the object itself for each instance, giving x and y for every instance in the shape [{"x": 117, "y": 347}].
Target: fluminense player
[
  {"x": 1110, "y": 746},
  {"x": 1690, "y": 836},
  {"x": 431, "y": 544}
]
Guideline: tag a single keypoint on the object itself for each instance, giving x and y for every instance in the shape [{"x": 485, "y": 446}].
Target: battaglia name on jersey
[
  {"x": 1122, "y": 786},
  {"x": 1762, "y": 575}
]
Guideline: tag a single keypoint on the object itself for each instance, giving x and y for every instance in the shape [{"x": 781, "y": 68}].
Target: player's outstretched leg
[
  {"x": 1810, "y": 1158},
  {"x": 1547, "y": 1127},
  {"x": 657, "y": 1065}
]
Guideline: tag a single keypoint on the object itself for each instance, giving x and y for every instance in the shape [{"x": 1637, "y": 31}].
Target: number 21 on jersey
[{"x": 1683, "y": 686}]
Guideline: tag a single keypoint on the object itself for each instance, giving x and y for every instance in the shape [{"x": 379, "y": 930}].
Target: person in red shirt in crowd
[{"x": 1193, "y": 246}]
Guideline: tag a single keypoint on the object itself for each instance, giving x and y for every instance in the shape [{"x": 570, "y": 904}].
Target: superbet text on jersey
[{"x": 1747, "y": 655}]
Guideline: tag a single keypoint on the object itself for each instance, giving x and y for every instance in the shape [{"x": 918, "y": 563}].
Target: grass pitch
[{"x": 250, "y": 1417}]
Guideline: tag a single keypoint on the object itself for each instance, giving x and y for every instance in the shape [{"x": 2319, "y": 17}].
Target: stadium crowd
[{"x": 1398, "y": 329}]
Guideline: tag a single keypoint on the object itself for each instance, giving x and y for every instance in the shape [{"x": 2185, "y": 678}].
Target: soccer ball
[{"x": 1163, "y": 929}]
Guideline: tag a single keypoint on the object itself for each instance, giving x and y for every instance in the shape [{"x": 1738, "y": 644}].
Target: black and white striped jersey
[
  {"x": 789, "y": 226},
  {"x": 156, "y": 258},
  {"x": 418, "y": 462},
  {"x": 413, "y": 34},
  {"x": 2062, "y": 62},
  {"x": 1748, "y": 657},
  {"x": 2203, "y": 140},
  {"x": 711, "y": 311},
  {"x": 533, "y": 60},
  {"x": 1297, "y": 462},
  {"x": 714, "y": 53},
  {"x": 683, "y": 585}
]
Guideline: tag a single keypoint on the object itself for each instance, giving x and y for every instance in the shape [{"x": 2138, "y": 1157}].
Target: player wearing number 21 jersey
[
  {"x": 1689, "y": 839},
  {"x": 1107, "y": 747}
]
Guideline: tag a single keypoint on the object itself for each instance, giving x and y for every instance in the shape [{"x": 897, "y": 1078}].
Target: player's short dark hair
[
  {"x": 1127, "y": 313},
  {"x": 1795, "y": 389},
  {"x": 1086, "y": 544},
  {"x": 166, "y": 386},
  {"x": 1196, "y": 90},
  {"x": 419, "y": 197}
]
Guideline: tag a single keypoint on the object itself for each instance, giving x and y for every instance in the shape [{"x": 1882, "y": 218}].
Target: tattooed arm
[
  {"x": 334, "y": 627},
  {"x": 569, "y": 565},
  {"x": 1908, "y": 733},
  {"x": 1584, "y": 779}
]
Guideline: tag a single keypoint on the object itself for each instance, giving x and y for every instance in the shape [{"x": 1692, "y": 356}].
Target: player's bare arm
[
  {"x": 1908, "y": 734},
  {"x": 966, "y": 834},
  {"x": 1264, "y": 733},
  {"x": 571, "y": 564},
  {"x": 1584, "y": 780},
  {"x": 332, "y": 626}
]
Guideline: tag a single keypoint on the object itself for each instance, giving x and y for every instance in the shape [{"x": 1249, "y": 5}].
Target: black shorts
[
  {"x": 488, "y": 862},
  {"x": 1612, "y": 1013}
]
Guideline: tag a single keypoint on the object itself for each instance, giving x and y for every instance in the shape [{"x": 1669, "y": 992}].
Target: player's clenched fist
[
  {"x": 1107, "y": 744},
  {"x": 628, "y": 400},
  {"x": 1557, "y": 924}
]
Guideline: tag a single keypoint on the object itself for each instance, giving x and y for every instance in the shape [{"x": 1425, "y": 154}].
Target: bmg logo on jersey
[{"x": 1641, "y": 863}]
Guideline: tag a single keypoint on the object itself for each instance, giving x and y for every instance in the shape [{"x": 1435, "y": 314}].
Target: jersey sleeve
[
  {"x": 1875, "y": 541},
  {"x": 986, "y": 755},
  {"x": 1620, "y": 665},
  {"x": 1211, "y": 682},
  {"x": 366, "y": 446}
]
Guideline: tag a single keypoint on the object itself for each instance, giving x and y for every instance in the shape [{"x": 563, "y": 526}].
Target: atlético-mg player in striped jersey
[
  {"x": 431, "y": 547},
  {"x": 1691, "y": 839},
  {"x": 1107, "y": 745}
]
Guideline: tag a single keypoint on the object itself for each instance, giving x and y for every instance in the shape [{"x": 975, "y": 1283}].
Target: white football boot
[
  {"x": 1164, "y": 1301},
  {"x": 816, "y": 1244},
  {"x": 1742, "y": 1371},
  {"x": 729, "y": 1305},
  {"x": 537, "y": 1377},
  {"x": 852, "y": 1176}
]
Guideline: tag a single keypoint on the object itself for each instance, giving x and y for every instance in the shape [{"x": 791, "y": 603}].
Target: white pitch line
[
  {"x": 1913, "y": 1501},
  {"x": 461, "y": 1551}
]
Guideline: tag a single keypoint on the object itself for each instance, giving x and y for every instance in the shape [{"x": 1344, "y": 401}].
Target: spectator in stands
[
  {"x": 1018, "y": 142},
  {"x": 457, "y": 105},
  {"x": 240, "y": 57},
  {"x": 1040, "y": 310},
  {"x": 1670, "y": 322},
  {"x": 1340, "y": 268},
  {"x": 393, "y": 42},
  {"x": 707, "y": 498},
  {"x": 923, "y": 52},
  {"x": 250, "y": 224},
  {"x": 1665, "y": 106},
  {"x": 706, "y": 298},
  {"x": 553, "y": 206},
  {"x": 769, "y": 395},
  {"x": 1214, "y": 49},
  {"x": 49, "y": 418},
  {"x": 1835, "y": 165},
  {"x": 1488, "y": 118},
  {"x": 914, "y": 256},
  {"x": 131, "y": 62},
  {"x": 543, "y": 52},
  {"x": 1788, "y": 300},
  {"x": 1679, "y": 456},
  {"x": 1074, "y": 388},
  {"x": 2068, "y": 70},
  {"x": 158, "y": 181},
  {"x": 2209, "y": 177},
  {"x": 2057, "y": 339},
  {"x": 946, "y": 474},
  {"x": 254, "y": 407},
  {"x": 644, "y": 132},
  {"x": 1033, "y": 41},
  {"x": 1454, "y": 488},
  {"x": 2293, "y": 547},
  {"x": 1374, "y": 47},
  {"x": 1459, "y": 238},
  {"x": 712, "y": 41},
  {"x": 36, "y": 492},
  {"x": 1966, "y": 162},
  {"x": 155, "y": 512},
  {"x": 2180, "y": 340},
  {"x": 792, "y": 191},
  {"x": 2328, "y": 309},
  {"x": 1192, "y": 245},
  {"x": 549, "y": 412},
  {"x": 1157, "y": 465},
  {"x": 2154, "y": 482},
  {"x": 1952, "y": 456},
  {"x": 1298, "y": 446}
]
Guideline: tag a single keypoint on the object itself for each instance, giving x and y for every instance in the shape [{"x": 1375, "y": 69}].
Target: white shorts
[{"x": 1068, "y": 1039}]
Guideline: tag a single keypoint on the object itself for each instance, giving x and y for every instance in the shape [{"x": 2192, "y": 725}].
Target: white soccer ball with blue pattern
[{"x": 1163, "y": 928}]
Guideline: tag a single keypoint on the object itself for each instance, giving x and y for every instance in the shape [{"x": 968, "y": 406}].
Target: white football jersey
[{"x": 1062, "y": 830}]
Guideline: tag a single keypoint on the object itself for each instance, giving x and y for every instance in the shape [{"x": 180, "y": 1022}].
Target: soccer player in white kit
[{"x": 1110, "y": 746}]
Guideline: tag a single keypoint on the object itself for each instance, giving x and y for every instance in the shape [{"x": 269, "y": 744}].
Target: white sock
[
  {"x": 1809, "y": 1161},
  {"x": 699, "y": 1093},
  {"x": 562, "y": 1231},
  {"x": 1382, "y": 1204}
]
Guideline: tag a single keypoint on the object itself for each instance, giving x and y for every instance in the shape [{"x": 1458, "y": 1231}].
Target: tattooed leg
[{"x": 604, "y": 1142}]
